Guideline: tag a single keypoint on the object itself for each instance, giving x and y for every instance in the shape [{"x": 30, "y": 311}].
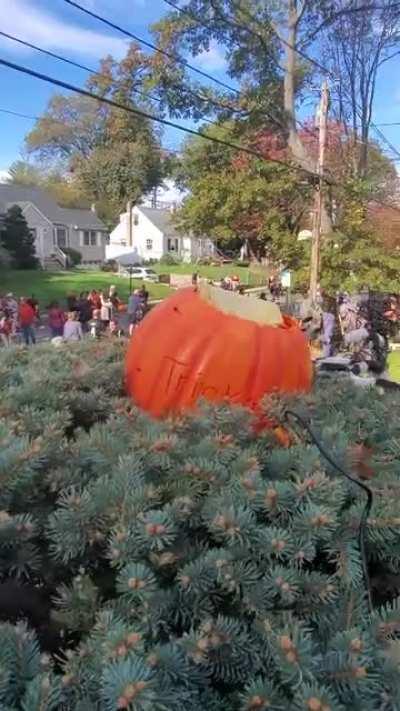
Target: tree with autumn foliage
[
  {"x": 266, "y": 48},
  {"x": 233, "y": 196},
  {"x": 110, "y": 155}
]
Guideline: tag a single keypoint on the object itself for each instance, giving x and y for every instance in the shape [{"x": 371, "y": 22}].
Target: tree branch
[
  {"x": 304, "y": 7},
  {"x": 341, "y": 13},
  {"x": 387, "y": 59}
]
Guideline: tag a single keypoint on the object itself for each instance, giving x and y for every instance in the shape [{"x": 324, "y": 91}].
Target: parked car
[{"x": 144, "y": 273}]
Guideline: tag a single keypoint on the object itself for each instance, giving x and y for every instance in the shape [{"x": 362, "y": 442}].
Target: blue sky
[{"x": 56, "y": 26}]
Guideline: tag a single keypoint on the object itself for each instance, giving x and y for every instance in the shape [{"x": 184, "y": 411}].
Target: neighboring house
[
  {"x": 151, "y": 233},
  {"x": 56, "y": 228}
]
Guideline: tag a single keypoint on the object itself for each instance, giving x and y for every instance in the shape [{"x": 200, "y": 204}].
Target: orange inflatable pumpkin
[{"x": 216, "y": 345}]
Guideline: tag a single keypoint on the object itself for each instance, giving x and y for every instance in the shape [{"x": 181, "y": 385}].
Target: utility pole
[{"x": 316, "y": 231}]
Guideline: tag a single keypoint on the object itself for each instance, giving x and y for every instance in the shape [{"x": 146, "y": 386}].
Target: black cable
[
  {"x": 203, "y": 23},
  {"x": 183, "y": 62},
  {"x": 16, "y": 113},
  {"x": 217, "y": 104},
  {"x": 162, "y": 149},
  {"x": 150, "y": 45},
  {"x": 385, "y": 140},
  {"x": 151, "y": 117},
  {"x": 299, "y": 51},
  {"x": 229, "y": 21},
  {"x": 172, "y": 124},
  {"x": 165, "y": 122},
  {"x": 331, "y": 74},
  {"x": 367, "y": 508},
  {"x": 13, "y": 38},
  {"x": 144, "y": 95}
]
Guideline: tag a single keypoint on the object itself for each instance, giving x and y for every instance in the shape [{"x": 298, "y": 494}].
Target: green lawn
[
  {"x": 394, "y": 365},
  {"x": 254, "y": 276},
  {"x": 50, "y": 286}
]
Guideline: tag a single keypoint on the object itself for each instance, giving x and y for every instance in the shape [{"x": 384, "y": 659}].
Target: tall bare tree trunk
[{"x": 295, "y": 143}]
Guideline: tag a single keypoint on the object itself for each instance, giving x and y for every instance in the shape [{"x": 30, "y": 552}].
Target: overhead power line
[
  {"x": 309, "y": 59},
  {"x": 318, "y": 65},
  {"x": 163, "y": 149},
  {"x": 180, "y": 60},
  {"x": 175, "y": 57},
  {"x": 16, "y": 113},
  {"x": 71, "y": 62},
  {"x": 144, "y": 114},
  {"x": 243, "y": 149},
  {"x": 386, "y": 140},
  {"x": 332, "y": 76},
  {"x": 203, "y": 23},
  {"x": 85, "y": 68}
]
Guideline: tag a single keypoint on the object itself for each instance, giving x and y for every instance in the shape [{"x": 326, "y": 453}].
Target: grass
[
  {"x": 254, "y": 276},
  {"x": 54, "y": 286},
  {"x": 394, "y": 365}
]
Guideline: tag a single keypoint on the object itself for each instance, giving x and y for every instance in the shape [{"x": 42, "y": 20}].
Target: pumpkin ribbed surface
[{"x": 186, "y": 349}]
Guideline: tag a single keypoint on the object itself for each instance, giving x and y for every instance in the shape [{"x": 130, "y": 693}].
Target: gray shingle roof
[
  {"x": 18, "y": 194},
  {"x": 21, "y": 195},
  {"x": 163, "y": 219},
  {"x": 82, "y": 218}
]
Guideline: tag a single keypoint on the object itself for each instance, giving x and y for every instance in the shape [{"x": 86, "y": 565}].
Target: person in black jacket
[{"x": 84, "y": 309}]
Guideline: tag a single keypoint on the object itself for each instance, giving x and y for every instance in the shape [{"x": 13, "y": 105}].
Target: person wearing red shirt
[
  {"x": 56, "y": 319},
  {"x": 94, "y": 300},
  {"x": 26, "y": 317}
]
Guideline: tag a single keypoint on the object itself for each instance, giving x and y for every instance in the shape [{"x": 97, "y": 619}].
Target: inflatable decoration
[{"x": 217, "y": 345}]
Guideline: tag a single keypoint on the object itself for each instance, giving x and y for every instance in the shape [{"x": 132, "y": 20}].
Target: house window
[
  {"x": 61, "y": 237},
  {"x": 149, "y": 244},
  {"x": 172, "y": 244},
  {"x": 136, "y": 219},
  {"x": 33, "y": 232},
  {"x": 90, "y": 238}
]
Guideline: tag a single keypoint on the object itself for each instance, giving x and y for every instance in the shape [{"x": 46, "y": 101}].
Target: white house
[{"x": 150, "y": 233}]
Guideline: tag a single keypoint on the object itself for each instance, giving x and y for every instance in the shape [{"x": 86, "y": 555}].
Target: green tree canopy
[
  {"x": 233, "y": 197},
  {"x": 113, "y": 155}
]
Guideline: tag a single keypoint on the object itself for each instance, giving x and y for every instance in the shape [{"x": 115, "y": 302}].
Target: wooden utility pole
[{"x": 316, "y": 231}]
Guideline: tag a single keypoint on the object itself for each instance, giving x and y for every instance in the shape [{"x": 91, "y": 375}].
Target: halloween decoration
[{"x": 216, "y": 345}]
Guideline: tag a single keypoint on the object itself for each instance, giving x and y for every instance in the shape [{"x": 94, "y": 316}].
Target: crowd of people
[
  {"x": 232, "y": 283},
  {"x": 95, "y": 313},
  {"x": 358, "y": 325}
]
